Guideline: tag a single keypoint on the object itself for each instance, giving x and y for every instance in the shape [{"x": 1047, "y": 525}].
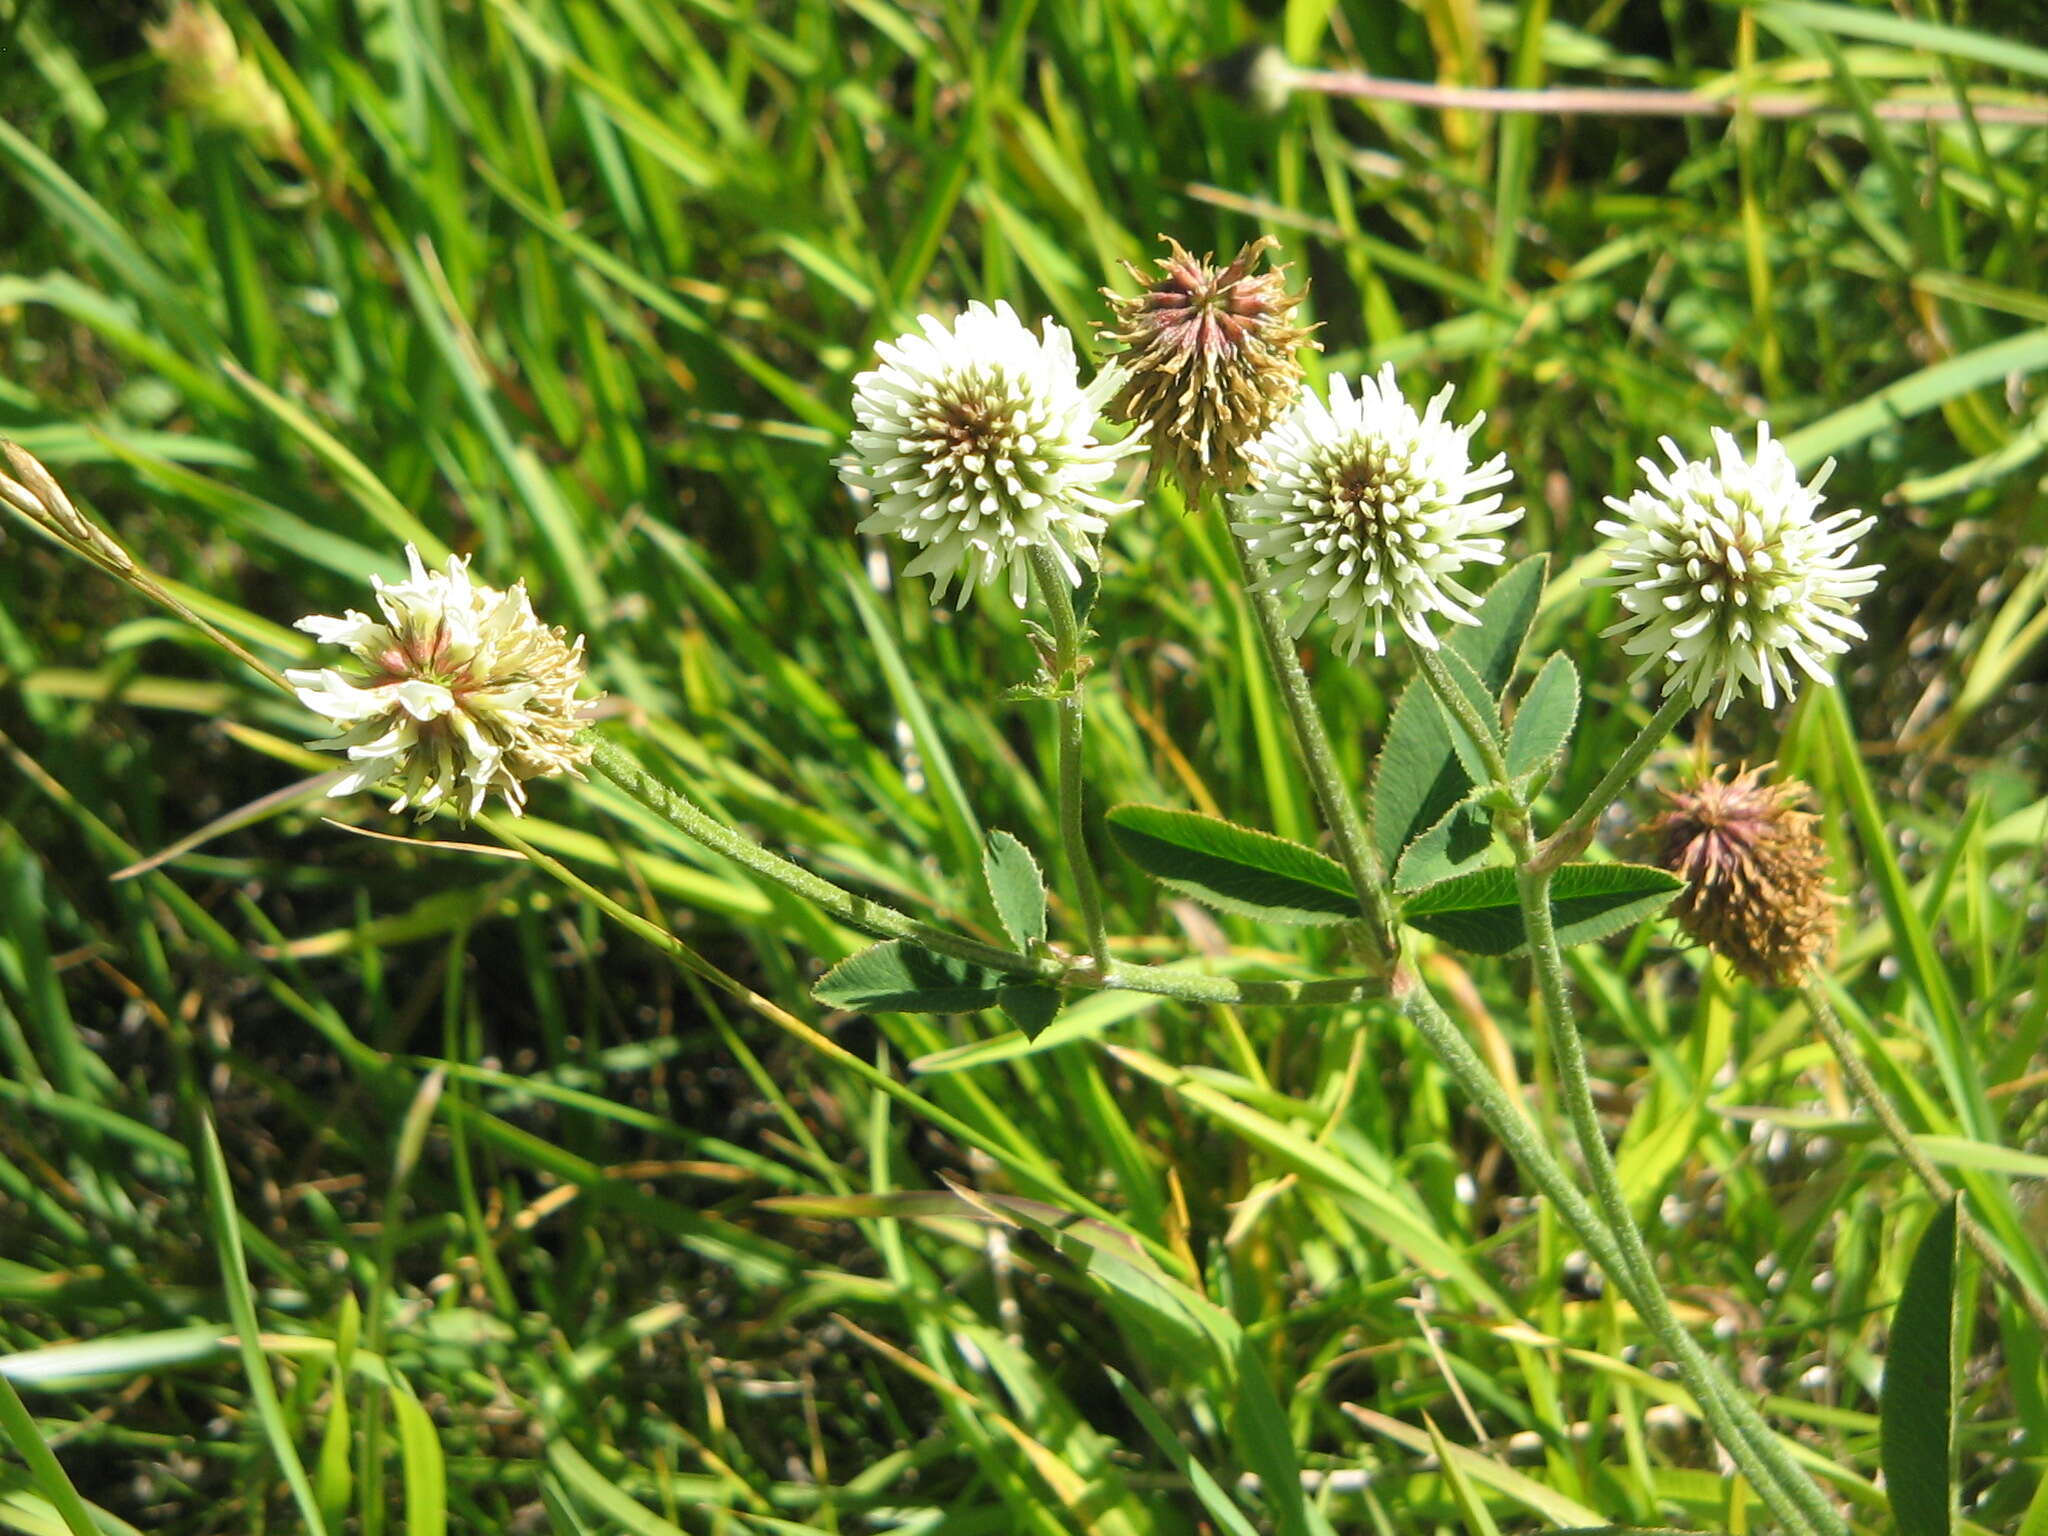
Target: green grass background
[{"x": 578, "y": 286}]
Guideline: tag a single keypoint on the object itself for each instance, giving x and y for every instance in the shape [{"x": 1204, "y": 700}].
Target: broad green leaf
[
  {"x": 1420, "y": 776},
  {"x": 1916, "y": 1412},
  {"x": 1493, "y": 645},
  {"x": 1016, "y": 886},
  {"x": 1481, "y": 912},
  {"x": 1461, "y": 839},
  {"x": 1030, "y": 1008},
  {"x": 1543, "y": 723},
  {"x": 895, "y": 977},
  {"x": 1233, "y": 868}
]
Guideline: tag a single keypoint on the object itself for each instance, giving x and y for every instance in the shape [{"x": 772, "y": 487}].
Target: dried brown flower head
[
  {"x": 1756, "y": 873},
  {"x": 1211, "y": 356}
]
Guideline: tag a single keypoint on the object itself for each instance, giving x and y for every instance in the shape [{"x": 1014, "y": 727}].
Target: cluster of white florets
[
  {"x": 458, "y": 690},
  {"x": 977, "y": 443},
  {"x": 1368, "y": 511},
  {"x": 1730, "y": 577}
]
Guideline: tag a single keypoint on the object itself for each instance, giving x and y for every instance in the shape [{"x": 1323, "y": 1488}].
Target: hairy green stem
[
  {"x": 884, "y": 921},
  {"x": 1793, "y": 1496},
  {"x": 1576, "y": 831},
  {"x": 1340, "y": 807},
  {"x": 860, "y": 912},
  {"x": 1874, "y": 1098},
  {"x": 1507, "y": 1120},
  {"x": 1066, "y": 666},
  {"x": 1485, "y": 733}
]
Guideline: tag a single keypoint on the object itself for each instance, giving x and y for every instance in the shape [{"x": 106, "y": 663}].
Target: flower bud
[
  {"x": 1756, "y": 873},
  {"x": 33, "y": 492},
  {"x": 1211, "y": 360},
  {"x": 207, "y": 76}
]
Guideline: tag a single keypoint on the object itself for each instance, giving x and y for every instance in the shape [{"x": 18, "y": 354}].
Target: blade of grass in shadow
[{"x": 226, "y": 1222}]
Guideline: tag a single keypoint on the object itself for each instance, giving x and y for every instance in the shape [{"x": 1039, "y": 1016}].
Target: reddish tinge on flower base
[
  {"x": 454, "y": 692},
  {"x": 1756, "y": 873},
  {"x": 1211, "y": 354}
]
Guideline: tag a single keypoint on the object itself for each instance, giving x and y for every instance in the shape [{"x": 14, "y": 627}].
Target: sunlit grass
[{"x": 578, "y": 288}]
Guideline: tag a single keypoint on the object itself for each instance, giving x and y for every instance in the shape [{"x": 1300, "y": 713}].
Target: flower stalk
[
  {"x": 1575, "y": 833},
  {"x": 1067, "y": 669},
  {"x": 1734, "y": 1423},
  {"x": 1340, "y": 808},
  {"x": 1792, "y": 1495}
]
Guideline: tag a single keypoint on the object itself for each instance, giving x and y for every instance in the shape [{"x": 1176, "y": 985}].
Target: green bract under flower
[
  {"x": 457, "y": 691},
  {"x": 1368, "y": 510},
  {"x": 977, "y": 443},
  {"x": 1728, "y": 577}
]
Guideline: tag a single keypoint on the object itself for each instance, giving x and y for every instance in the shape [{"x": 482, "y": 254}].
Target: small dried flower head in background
[
  {"x": 1370, "y": 510},
  {"x": 207, "y": 76},
  {"x": 33, "y": 491},
  {"x": 1728, "y": 577},
  {"x": 978, "y": 444},
  {"x": 1211, "y": 357},
  {"x": 457, "y": 691},
  {"x": 1756, "y": 872}
]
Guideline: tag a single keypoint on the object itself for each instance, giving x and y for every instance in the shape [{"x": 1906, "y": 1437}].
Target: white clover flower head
[
  {"x": 1370, "y": 510},
  {"x": 977, "y": 443},
  {"x": 458, "y": 690},
  {"x": 1729, "y": 578}
]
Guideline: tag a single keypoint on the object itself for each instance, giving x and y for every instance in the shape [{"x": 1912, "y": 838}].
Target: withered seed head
[
  {"x": 1756, "y": 873},
  {"x": 1211, "y": 355}
]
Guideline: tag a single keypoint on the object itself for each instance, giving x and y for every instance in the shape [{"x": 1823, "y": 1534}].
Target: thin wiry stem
[
  {"x": 869, "y": 916},
  {"x": 1622, "y": 101},
  {"x": 1067, "y": 670},
  {"x": 1793, "y": 1496},
  {"x": 1340, "y": 807},
  {"x": 1874, "y": 1098}
]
